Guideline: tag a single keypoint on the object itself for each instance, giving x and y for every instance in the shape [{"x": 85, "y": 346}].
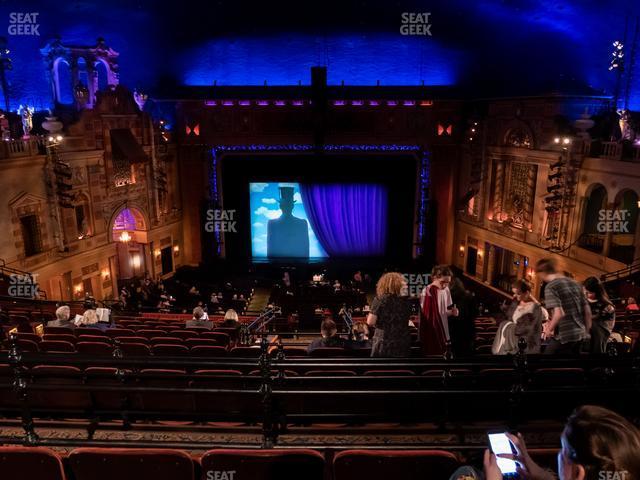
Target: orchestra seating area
[{"x": 284, "y": 412}]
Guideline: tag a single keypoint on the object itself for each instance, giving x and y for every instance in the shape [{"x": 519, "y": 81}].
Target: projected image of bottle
[{"x": 287, "y": 236}]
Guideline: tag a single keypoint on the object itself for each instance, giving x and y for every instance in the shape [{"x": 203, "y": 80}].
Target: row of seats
[
  {"x": 221, "y": 334},
  {"x": 157, "y": 346},
  {"x": 28, "y": 463}
]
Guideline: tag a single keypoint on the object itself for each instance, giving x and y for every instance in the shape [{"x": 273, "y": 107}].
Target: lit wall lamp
[
  {"x": 125, "y": 237},
  {"x": 461, "y": 250},
  {"x": 480, "y": 254},
  {"x": 135, "y": 261},
  {"x": 105, "y": 273},
  {"x": 157, "y": 253},
  {"x": 176, "y": 248}
]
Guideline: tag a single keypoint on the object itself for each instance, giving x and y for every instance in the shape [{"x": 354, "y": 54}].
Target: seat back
[
  {"x": 130, "y": 464},
  {"x": 135, "y": 349},
  {"x": 272, "y": 464},
  {"x": 30, "y": 463},
  {"x": 208, "y": 351},
  {"x": 56, "y": 346},
  {"x": 327, "y": 352},
  {"x": 385, "y": 464},
  {"x": 65, "y": 337},
  {"x": 246, "y": 352},
  {"x": 94, "y": 348},
  {"x": 169, "y": 349}
]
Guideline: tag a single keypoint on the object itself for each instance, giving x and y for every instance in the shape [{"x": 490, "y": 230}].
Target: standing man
[
  {"x": 570, "y": 313},
  {"x": 287, "y": 236}
]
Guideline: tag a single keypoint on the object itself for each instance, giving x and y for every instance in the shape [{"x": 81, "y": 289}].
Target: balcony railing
[
  {"x": 611, "y": 150},
  {"x": 22, "y": 148}
]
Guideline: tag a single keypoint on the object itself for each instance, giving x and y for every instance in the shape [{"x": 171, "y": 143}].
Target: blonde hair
[
  {"x": 231, "y": 314},
  {"x": 89, "y": 317},
  {"x": 390, "y": 283},
  {"x": 360, "y": 329}
]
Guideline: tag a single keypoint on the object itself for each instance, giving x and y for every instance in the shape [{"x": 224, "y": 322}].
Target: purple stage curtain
[{"x": 348, "y": 219}]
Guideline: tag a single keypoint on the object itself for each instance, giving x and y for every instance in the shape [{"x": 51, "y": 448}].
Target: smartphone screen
[{"x": 500, "y": 443}]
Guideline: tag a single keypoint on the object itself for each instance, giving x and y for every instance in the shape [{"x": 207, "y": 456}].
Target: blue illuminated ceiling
[{"x": 491, "y": 47}]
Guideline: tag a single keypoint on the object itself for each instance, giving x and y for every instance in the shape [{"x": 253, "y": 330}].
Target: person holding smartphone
[{"x": 597, "y": 444}]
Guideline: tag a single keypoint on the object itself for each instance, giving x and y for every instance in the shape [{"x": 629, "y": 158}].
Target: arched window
[
  {"x": 591, "y": 238},
  {"x": 625, "y": 217},
  {"x": 83, "y": 74},
  {"x": 519, "y": 137},
  {"x": 62, "y": 80},
  {"x": 103, "y": 75}
]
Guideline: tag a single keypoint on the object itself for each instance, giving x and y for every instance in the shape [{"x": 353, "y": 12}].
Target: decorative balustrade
[{"x": 21, "y": 147}]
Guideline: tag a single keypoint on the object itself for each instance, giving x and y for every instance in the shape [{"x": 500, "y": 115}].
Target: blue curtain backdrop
[{"x": 348, "y": 220}]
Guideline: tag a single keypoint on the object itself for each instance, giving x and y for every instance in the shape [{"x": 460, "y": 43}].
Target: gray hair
[
  {"x": 63, "y": 312},
  {"x": 198, "y": 313}
]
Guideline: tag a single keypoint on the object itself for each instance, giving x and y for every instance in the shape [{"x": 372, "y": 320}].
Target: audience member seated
[
  {"x": 90, "y": 320},
  {"x": 198, "y": 320},
  {"x": 62, "y": 318},
  {"x": 595, "y": 441},
  {"x": 632, "y": 305},
  {"x": 524, "y": 320},
  {"x": 231, "y": 319},
  {"x": 360, "y": 337},
  {"x": 329, "y": 339}
]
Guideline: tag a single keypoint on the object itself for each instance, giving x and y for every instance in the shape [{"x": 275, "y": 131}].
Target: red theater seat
[
  {"x": 30, "y": 336},
  {"x": 94, "y": 348},
  {"x": 123, "y": 340},
  {"x": 184, "y": 334},
  {"x": 293, "y": 352},
  {"x": 120, "y": 332},
  {"x": 165, "y": 402},
  {"x": 56, "y": 346},
  {"x": 246, "y": 352},
  {"x": 272, "y": 464},
  {"x": 59, "y": 398},
  {"x": 223, "y": 338},
  {"x": 389, "y": 373},
  {"x": 169, "y": 349},
  {"x": 28, "y": 346},
  {"x": 89, "y": 331},
  {"x": 208, "y": 351},
  {"x": 130, "y": 464},
  {"x": 165, "y": 340},
  {"x": 195, "y": 342},
  {"x": 135, "y": 349},
  {"x": 30, "y": 463},
  {"x": 558, "y": 377},
  {"x": 330, "y": 373},
  {"x": 386, "y": 464},
  {"x": 150, "y": 332},
  {"x": 59, "y": 337},
  {"x": 328, "y": 352},
  {"x": 59, "y": 330},
  {"x": 93, "y": 338}
]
